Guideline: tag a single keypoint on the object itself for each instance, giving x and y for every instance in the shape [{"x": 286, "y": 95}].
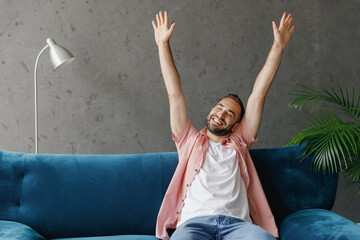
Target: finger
[
  {"x": 292, "y": 29},
  {"x": 166, "y": 18},
  {"x": 275, "y": 28},
  {"x": 153, "y": 24},
  {"x": 288, "y": 18},
  {"x": 157, "y": 19},
  {"x": 282, "y": 21},
  {"x": 161, "y": 17},
  {"x": 172, "y": 28},
  {"x": 289, "y": 23}
]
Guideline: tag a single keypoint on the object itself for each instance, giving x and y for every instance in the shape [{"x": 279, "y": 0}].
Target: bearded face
[
  {"x": 223, "y": 117},
  {"x": 218, "y": 126}
]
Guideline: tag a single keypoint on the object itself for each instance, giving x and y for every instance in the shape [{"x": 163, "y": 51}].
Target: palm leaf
[
  {"x": 330, "y": 140},
  {"x": 353, "y": 172},
  {"x": 307, "y": 97},
  {"x": 333, "y": 143}
]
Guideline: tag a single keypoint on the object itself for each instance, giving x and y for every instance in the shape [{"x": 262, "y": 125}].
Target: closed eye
[
  {"x": 228, "y": 112},
  {"x": 231, "y": 113}
]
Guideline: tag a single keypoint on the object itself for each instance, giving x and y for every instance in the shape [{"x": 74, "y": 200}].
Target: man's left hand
[{"x": 283, "y": 33}]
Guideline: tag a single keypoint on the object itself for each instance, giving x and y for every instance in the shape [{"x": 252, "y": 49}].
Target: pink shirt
[{"x": 192, "y": 147}]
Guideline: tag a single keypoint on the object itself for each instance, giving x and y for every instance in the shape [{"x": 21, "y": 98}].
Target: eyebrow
[{"x": 228, "y": 110}]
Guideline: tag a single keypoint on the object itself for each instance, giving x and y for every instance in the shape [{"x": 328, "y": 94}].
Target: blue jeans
[{"x": 219, "y": 227}]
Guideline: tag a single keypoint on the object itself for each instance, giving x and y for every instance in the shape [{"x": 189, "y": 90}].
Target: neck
[{"x": 216, "y": 138}]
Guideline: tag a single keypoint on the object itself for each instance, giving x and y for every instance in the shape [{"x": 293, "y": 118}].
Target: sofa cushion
[
  {"x": 14, "y": 231},
  {"x": 318, "y": 224},
  {"x": 291, "y": 185},
  {"x": 118, "y": 237},
  {"x": 11, "y": 181},
  {"x": 94, "y": 195}
]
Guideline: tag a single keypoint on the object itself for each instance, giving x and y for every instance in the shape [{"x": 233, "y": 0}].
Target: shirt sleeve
[
  {"x": 185, "y": 137},
  {"x": 244, "y": 134}
]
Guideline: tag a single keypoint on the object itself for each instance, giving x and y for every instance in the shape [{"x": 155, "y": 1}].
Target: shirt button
[
  {"x": 187, "y": 185},
  {"x": 177, "y": 212},
  {"x": 196, "y": 170}
]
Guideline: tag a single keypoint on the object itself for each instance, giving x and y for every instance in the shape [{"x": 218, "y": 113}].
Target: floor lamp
[{"x": 59, "y": 56}]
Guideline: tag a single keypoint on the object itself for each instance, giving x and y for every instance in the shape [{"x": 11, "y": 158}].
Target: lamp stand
[
  {"x": 59, "y": 56},
  {"x": 36, "y": 99}
]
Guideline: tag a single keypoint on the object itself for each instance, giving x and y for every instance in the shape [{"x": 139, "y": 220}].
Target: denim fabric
[{"x": 219, "y": 227}]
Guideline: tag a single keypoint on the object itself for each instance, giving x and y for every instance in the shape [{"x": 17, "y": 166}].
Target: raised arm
[
  {"x": 256, "y": 101},
  {"x": 178, "y": 112}
]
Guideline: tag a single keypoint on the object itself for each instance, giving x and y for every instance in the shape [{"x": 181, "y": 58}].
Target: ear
[{"x": 234, "y": 127}]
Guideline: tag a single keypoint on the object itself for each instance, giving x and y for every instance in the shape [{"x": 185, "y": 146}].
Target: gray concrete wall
[{"x": 112, "y": 98}]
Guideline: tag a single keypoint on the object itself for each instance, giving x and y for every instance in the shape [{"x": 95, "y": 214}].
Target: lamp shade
[{"x": 59, "y": 56}]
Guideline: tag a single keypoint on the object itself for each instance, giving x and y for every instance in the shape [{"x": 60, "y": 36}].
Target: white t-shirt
[{"x": 218, "y": 188}]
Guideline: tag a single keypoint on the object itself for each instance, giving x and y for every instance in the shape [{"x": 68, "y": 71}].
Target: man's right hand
[
  {"x": 162, "y": 31},
  {"x": 178, "y": 113}
]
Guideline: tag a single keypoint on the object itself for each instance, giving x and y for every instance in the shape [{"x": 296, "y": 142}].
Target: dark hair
[{"x": 237, "y": 99}]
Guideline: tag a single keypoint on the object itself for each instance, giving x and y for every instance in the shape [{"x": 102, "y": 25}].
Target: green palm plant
[{"x": 332, "y": 134}]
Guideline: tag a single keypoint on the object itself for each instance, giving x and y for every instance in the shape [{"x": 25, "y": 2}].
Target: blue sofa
[{"x": 103, "y": 197}]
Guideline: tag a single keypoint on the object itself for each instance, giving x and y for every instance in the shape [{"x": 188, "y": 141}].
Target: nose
[{"x": 222, "y": 114}]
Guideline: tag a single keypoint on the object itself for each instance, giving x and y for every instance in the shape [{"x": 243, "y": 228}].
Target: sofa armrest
[
  {"x": 318, "y": 224},
  {"x": 10, "y": 230}
]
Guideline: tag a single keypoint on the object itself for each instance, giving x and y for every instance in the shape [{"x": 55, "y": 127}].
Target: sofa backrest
[
  {"x": 84, "y": 195},
  {"x": 291, "y": 186},
  {"x": 93, "y": 195}
]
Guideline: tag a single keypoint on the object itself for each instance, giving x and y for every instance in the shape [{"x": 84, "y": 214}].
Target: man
[{"x": 215, "y": 191}]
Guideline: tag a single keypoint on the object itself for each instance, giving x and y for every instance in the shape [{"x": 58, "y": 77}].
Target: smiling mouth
[{"x": 217, "y": 121}]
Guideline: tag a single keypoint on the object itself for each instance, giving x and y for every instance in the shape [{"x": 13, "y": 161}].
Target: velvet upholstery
[
  {"x": 319, "y": 225},
  {"x": 84, "y": 195},
  {"x": 290, "y": 185},
  {"x": 10, "y": 230},
  {"x": 106, "y": 197}
]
